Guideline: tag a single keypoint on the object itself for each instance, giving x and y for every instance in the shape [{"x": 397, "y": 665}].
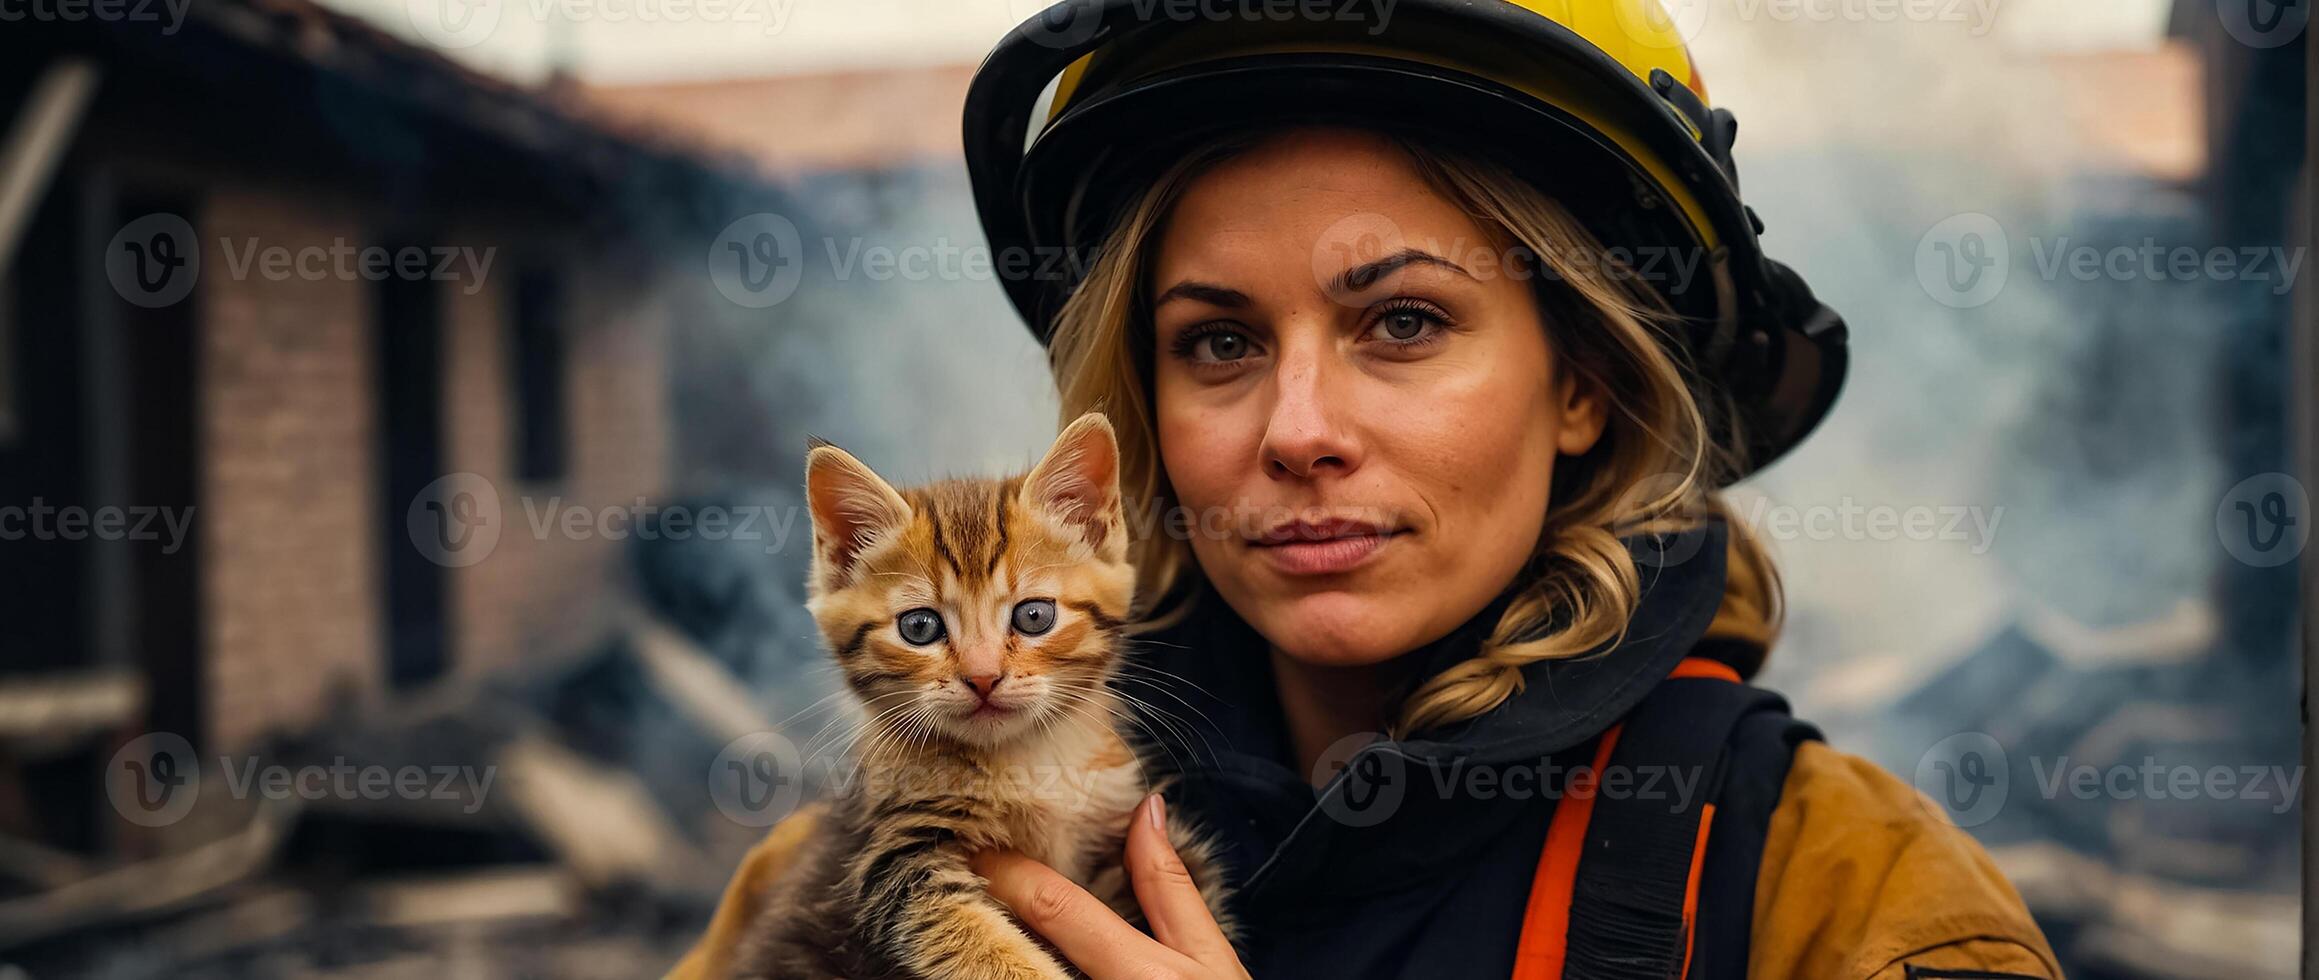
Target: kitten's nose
[{"x": 983, "y": 684}]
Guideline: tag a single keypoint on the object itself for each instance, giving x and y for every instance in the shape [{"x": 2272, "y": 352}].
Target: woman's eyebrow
[
  {"x": 1367, "y": 273},
  {"x": 1205, "y": 292}
]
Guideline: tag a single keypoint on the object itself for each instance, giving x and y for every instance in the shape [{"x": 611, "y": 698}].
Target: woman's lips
[{"x": 1326, "y": 556}]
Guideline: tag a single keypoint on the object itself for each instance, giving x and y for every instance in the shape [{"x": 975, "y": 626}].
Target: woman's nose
[{"x": 1306, "y": 435}]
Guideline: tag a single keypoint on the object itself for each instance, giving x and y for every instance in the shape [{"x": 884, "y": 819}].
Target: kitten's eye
[
  {"x": 920, "y": 626},
  {"x": 1034, "y": 616}
]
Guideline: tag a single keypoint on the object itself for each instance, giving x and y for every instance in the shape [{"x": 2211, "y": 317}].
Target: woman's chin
[{"x": 1339, "y": 629}]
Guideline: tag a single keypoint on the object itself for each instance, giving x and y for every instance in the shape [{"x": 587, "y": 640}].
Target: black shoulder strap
[{"x": 1696, "y": 746}]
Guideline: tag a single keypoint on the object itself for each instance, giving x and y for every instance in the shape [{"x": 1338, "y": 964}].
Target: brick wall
[
  {"x": 290, "y": 575},
  {"x": 544, "y": 595}
]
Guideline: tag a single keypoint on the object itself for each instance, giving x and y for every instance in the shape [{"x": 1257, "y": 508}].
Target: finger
[
  {"x": 1089, "y": 934},
  {"x": 1170, "y": 898}
]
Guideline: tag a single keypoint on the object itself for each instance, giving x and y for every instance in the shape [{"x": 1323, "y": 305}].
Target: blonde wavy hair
[{"x": 1653, "y": 469}]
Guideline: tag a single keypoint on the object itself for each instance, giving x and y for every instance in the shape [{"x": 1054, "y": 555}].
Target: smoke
[
  {"x": 2085, "y": 410},
  {"x": 895, "y": 344},
  {"x": 2048, "y": 321}
]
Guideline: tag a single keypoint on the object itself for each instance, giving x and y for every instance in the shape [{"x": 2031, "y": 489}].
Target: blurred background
[{"x": 402, "y": 405}]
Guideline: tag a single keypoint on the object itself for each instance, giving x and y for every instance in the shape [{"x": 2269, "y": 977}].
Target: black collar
[{"x": 1207, "y": 691}]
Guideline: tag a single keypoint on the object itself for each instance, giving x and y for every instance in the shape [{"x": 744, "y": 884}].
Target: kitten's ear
[
  {"x": 1078, "y": 484},
  {"x": 852, "y": 507}
]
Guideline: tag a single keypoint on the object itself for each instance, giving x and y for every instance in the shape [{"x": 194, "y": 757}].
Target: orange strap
[
  {"x": 1703, "y": 667},
  {"x": 1546, "y": 920}
]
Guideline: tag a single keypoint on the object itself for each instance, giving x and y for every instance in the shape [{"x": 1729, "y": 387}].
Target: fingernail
[{"x": 1156, "y": 812}]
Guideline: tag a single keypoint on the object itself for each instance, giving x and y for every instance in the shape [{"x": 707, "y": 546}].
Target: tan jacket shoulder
[
  {"x": 712, "y": 957},
  {"x": 1863, "y": 877}
]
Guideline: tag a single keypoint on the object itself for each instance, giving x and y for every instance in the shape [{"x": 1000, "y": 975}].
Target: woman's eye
[
  {"x": 1225, "y": 346},
  {"x": 1406, "y": 325},
  {"x": 1213, "y": 345},
  {"x": 1402, "y": 325},
  {"x": 920, "y": 626},
  {"x": 1034, "y": 616}
]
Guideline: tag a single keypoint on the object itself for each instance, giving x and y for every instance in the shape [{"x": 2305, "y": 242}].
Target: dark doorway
[
  {"x": 44, "y": 458},
  {"x": 150, "y": 400},
  {"x": 410, "y": 386},
  {"x": 99, "y": 450}
]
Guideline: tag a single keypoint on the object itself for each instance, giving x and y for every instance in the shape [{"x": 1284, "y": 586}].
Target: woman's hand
[{"x": 1094, "y": 938}]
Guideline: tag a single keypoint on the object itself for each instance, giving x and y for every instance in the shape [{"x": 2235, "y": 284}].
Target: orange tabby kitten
[{"x": 978, "y": 623}]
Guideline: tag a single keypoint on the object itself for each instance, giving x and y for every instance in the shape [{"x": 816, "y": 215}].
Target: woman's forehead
[{"x": 1317, "y": 201}]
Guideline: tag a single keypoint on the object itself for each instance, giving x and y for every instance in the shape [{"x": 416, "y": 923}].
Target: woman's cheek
[{"x": 1200, "y": 450}]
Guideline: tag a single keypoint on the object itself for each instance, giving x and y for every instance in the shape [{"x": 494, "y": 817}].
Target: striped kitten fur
[{"x": 1017, "y": 587}]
